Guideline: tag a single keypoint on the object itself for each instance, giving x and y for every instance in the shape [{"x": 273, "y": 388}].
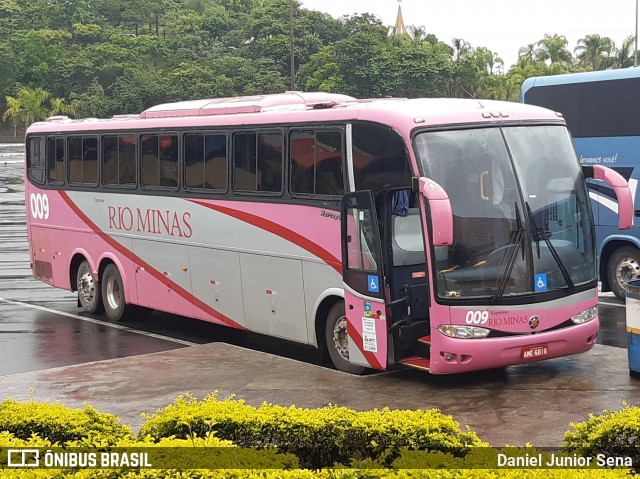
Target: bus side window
[
  {"x": 316, "y": 162},
  {"x": 360, "y": 249},
  {"x": 110, "y": 160},
  {"x": 150, "y": 160},
  {"x": 127, "y": 165},
  {"x": 257, "y": 164},
  {"x": 215, "y": 162},
  {"x": 55, "y": 158},
  {"x": 168, "y": 156},
  {"x": 36, "y": 159},
  {"x": 119, "y": 160},
  {"x": 74, "y": 165},
  {"x": 82, "y": 152},
  {"x": 205, "y": 158},
  {"x": 379, "y": 158},
  {"x": 90, "y": 160}
]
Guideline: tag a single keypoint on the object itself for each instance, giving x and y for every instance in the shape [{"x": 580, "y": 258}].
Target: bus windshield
[{"x": 522, "y": 222}]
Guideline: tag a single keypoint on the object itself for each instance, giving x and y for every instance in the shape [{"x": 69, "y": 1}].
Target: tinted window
[
  {"x": 159, "y": 160},
  {"x": 593, "y": 109},
  {"x": 55, "y": 158},
  {"x": 316, "y": 162},
  {"x": 257, "y": 161},
  {"x": 83, "y": 159},
  {"x": 205, "y": 157},
  {"x": 379, "y": 158},
  {"x": 36, "y": 159},
  {"x": 119, "y": 160}
]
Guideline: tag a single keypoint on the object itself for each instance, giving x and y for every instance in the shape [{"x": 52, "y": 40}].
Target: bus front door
[{"x": 363, "y": 279}]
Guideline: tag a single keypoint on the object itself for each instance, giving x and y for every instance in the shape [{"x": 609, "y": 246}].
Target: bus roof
[
  {"x": 583, "y": 77},
  {"x": 297, "y": 107}
]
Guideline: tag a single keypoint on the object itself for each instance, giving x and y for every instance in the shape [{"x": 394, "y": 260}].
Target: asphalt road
[{"x": 41, "y": 327}]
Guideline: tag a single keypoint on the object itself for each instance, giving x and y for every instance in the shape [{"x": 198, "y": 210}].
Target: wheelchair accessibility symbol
[
  {"x": 540, "y": 281},
  {"x": 373, "y": 284}
]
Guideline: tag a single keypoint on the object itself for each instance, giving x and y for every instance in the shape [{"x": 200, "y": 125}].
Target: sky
[{"x": 502, "y": 26}]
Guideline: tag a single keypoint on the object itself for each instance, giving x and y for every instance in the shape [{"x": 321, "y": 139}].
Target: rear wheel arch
[
  {"x": 321, "y": 316},
  {"x": 75, "y": 263}
]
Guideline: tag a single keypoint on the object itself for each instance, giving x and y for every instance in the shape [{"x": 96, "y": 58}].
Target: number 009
[
  {"x": 39, "y": 206},
  {"x": 477, "y": 317}
]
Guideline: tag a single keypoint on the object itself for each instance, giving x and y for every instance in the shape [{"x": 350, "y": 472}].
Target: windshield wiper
[
  {"x": 516, "y": 240},
  {"x": 540, "y": 232}
]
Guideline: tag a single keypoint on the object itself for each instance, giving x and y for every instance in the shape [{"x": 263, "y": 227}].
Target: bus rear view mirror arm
[
  {"x": 620, "y": 188},
  {"x": 440, "y": 208}
]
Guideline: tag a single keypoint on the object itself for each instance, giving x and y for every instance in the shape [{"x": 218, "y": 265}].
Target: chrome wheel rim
[
  {"x": 340, "y": 338},
  {"x": 86, "y": 288},
  {"x": 114, "y": 294},
  {"x": 627, "y": 270}
]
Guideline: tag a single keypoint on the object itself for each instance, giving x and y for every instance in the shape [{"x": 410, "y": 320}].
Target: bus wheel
[
  {"x": 335, "y": 334},
  {"x": 88, "y": 289},
  {"x": 623, "y": 266},
  {"x": 113, "y": 298}
]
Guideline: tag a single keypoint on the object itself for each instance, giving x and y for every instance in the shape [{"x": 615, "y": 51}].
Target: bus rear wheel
[
  {"x": 115, "y": 306},
  {"x": 88, "y": 288},
  {"x": 623, "y": 266},
  {"x": 337, "y": 340}
]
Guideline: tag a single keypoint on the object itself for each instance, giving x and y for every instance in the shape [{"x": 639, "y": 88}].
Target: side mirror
[
  {"x": 620, "y": 188},
  {"x": 440, "y": 208}
]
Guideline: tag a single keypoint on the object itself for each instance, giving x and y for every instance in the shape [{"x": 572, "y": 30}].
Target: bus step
[
  {"x": 416, "y": 362},
  {"x": 425, "y": 340}
]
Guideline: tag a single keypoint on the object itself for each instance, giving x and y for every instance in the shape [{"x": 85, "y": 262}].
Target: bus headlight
[
  {"x": 463, "y": 332},
  {"x": 585, "y": 316}
]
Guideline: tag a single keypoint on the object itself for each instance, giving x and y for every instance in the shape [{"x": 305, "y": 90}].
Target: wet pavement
[
  {"x": 34, "y": 339},
  {"x": 529, "y": 403},
  {"x": 67, "y": 356}
]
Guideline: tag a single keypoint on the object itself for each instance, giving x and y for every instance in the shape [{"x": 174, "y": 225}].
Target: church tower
[{"x": 399, "y": 28}]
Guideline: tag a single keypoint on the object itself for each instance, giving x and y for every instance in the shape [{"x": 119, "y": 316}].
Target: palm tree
[
  {"x": 417, "y": 34},
  {"x": 59, "y": 106},
  {"x": 593, "y": 51},
  {"x": 528, "y": 52},
  {"x": 460, "y": 48},
  {"x": 554, "y": 49},
  {"x": 33, "y": 104},
  {"x": 623, "y": 57},
  {"x": 15, "y": 112},
  {"x": 29, "y": 106}
]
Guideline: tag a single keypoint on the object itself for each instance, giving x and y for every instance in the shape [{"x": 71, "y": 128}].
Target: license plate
[{"x": 534, "y": 352}]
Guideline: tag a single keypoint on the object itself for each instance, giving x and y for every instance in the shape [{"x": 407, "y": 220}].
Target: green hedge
[
  {"x": 318, "y": 437},
  {"x": 613, "y": 433},
  {"x": 58, "y": 423},
  {"x": 384, "y": 444}
]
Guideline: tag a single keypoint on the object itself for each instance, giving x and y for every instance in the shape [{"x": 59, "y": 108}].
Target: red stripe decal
[
  {"x": 368, "y": 355},
  {"x": 278, "y": 230},
  {"x": 148, "y": 268}
]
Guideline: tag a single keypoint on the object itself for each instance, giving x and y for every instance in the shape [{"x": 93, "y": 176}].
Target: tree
[
  {"x": 14, "y": 112},
  {"x": 355, "y": 61},
  {"x": 91, "y": 103},
  {"x": 60, "y": 107},
  {"x": 414, "y": 70},
  {"x": 553, "y": 48},
  {"x": 593, "y": 51},
  {"x": 31, "y": 105},
  {"x": 623, "y": 57},
  {"x": 460, "y": 48},
  {"x": 27, "y": 107},
  {"x": 528, "y": 52}
]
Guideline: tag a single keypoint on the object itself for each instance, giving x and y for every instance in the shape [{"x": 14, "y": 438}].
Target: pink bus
[{"x": 446, "y": 235}]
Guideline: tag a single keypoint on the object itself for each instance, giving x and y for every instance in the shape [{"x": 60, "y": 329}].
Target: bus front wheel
[
  {"x": 337, "y": 340},
  {"x": 623, "y": 266},
  {"x": 88, "y": 288},
  {"x": 115, "y": 306}
]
